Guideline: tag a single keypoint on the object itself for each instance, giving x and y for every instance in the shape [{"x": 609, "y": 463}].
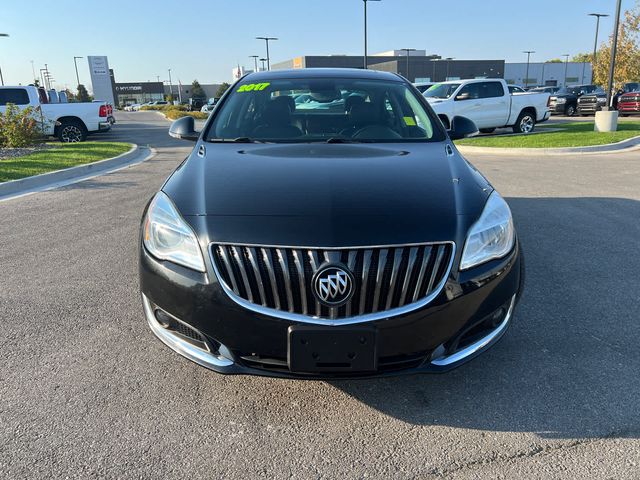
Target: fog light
[
  {"x": 497, "y": 317},
  {"x": 164, "y": 319}
]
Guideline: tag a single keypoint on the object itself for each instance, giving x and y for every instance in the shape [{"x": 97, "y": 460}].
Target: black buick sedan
[{"x": 342, "y": 235}]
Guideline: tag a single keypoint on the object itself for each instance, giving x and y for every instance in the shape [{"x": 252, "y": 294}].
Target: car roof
[{"x": 357, "y": 73}]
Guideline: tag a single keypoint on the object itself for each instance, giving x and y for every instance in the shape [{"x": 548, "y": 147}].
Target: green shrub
[
  {"x": 163, "y": 108},
  {"x": 175, "y": 114},
  {"x": 19, "y": 128}
]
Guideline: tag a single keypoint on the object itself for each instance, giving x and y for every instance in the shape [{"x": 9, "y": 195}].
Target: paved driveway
[{"x": 87, "y": 391}]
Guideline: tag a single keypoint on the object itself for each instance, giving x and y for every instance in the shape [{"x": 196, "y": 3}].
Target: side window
[
  {"x": 17, "y": 96},
  {"x": 491, "y": 89},
  {"x": 469, "y": 92}
]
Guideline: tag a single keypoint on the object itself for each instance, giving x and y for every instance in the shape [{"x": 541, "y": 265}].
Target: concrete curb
[
  {"x": 67, "y": 176},
  {"x": 628, "y": 145}
]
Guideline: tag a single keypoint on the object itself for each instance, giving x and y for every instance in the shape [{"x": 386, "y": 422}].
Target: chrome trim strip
[
  {"x": 395, "y": 269},
  {"x": 256, "y": 272},
  {"x": 382, "y": 262},
  {"x": 361, "y": 247},
  {"x": 284, "y": 265},
  {"x": 369, "y": 317},
  {"x": 184, "y": 348},
  {"x": 478, "y": 345},
  {"x": 266, "y": 256},
  {"x": 299, "y": 263},
  {"x": 366, "y": 265},
  {"x": 413, "y": 255},
  {"x": 436, "y": 267},
  {"x": 243, "y": 271},
  {"x": 351, "y": 263},
  {"x": 423, "y": 268},
  {"x": 227, "y": 264}
]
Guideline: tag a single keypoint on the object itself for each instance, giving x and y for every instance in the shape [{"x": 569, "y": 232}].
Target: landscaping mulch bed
[{"x": 6, "y": 153}]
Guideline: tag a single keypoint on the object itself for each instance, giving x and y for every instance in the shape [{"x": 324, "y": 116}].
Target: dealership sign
[{"x": 100, "y": 78}]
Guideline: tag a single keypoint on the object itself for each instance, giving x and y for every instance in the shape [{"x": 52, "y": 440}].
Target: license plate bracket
[{"x": 314, "y": 349}]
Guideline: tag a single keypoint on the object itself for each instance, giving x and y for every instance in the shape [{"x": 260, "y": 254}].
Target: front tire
[
  {"x": 72, "y": 131},
  {"x": 526, "y": 123},
  {"x": 570, "y": 111}
]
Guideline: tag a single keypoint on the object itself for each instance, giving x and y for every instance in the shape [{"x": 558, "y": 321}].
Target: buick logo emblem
[{"x": 333, "y": 285}]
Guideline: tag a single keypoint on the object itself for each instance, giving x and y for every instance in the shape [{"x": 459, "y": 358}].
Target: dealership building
[
  {"x": 556, "y": 74},
  {"x": 417, "y": 66}
]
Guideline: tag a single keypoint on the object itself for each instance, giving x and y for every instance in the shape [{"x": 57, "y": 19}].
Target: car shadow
[{"x": 568, "y": 366}]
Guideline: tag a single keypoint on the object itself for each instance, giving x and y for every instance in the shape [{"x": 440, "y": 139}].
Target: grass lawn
[
  {"x": 576, "y": 134},
  {"x": 62, "y": 155}
]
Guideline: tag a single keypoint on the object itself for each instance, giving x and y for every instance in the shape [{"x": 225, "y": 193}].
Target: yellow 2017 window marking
[
  {"x": 409, "y": 121},
  {"x": 255, "y": 87}
]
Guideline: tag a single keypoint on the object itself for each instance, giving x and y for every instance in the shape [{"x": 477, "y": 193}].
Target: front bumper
[{"x": 470, "y": 314}]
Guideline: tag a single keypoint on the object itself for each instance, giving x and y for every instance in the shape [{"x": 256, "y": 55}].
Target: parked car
[
  {"x": 629, "y": 103},
  {"x": 549, "y": 90},
  {"x": 591, "y": 103},
  {"x": 131, "y": 108},
  {"x": 195, "y": 104},
  {"x": 312, "y": 244},
  {"x": 208, "y": 107},
  {"x": 629, "y": 87},
  {"x": 423, "y": 86},
  {"x": 70, "y": 122},
  {"x": 489, "y": 104},
  {"x": 565, "y": 100}
]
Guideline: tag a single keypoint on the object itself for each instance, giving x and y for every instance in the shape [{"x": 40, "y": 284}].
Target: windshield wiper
[{"x": 341, "y": 140}]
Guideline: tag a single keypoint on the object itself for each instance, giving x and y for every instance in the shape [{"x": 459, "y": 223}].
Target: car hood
[{"x": 328, "y": 194}]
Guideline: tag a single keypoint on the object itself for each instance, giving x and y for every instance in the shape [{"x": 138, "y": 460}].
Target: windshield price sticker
[{"x": 255, "y": 87}]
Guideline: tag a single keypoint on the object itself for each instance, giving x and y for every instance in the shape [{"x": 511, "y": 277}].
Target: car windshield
[
  {"x": 441, "y": 90},
  {"x": 568, "y": 91},
  {"x": 332, "y": 110}
]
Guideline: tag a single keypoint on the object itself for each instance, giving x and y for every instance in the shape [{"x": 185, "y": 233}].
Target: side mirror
[
  {"x": 463, "y": 96},
  {"x": 462, "y": 127},
  {"x": 184, "y": 129}
]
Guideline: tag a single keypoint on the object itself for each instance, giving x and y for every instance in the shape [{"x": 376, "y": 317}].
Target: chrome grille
[{"x": 280, "y": 278}]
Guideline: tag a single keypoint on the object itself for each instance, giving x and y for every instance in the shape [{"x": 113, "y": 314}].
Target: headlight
[
  {"x": 602, "y": 100},
  {"x": 561, "y": 100},
  {"x": 492, "y": 236},
  {"x": 168, "y": 237}
]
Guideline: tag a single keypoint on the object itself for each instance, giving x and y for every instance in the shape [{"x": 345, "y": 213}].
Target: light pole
[
  {"x": 158, "y": 78},
  {"x": 75, "y": 62},
  {"x": 365, "y": 31},
  {"x": 595, "y": 43},
  {"x": 408, "y": 50},
  {"x": 44, "y": 85},
  {"x": 566, "y": 64},
  {"x": 266, "y": 40},
  {"x": 614, "y": 49},
  {"x": 255, "y": 61},
  {"x": 170, "y": 84},
  {"x": 1, "y": 77},
  {"x": 262, "y": 60},
  {"x": 448, "y": 59},
  {"x": 526, "y": 80}
]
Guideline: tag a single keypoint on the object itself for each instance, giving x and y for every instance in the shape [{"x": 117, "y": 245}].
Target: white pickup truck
[
  {"x": 70, "y": 122},
  {"x": 489, "y": 104}
]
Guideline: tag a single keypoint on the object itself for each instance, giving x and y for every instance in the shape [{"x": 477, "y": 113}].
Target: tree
[
  {"x": 83, "y": 95},
  {"x": 554, "y": 60},
  {"x": 221, "y": 89},
  {"x": 197, "y": 91},
  {"x": 628, "y": 52},
  {"x": 582, "y": 58}
]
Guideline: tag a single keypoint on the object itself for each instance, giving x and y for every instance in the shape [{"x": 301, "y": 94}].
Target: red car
[{"x": 629, "y": 104}]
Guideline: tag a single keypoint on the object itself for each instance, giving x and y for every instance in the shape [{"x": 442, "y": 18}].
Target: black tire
[
  {"x": 487, "y": 130},
  {"x": 570, "y": 110},
  {"x": 525, "y": 123},
  {"x": 72, "y": 131}
]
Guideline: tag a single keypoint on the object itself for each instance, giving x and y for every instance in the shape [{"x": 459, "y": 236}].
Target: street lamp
[
  {"x": 76, "y": 64},
  {"x": 408, "y": 50},
  {"x": 365, "y": 31},
  {"x": 448, "y": 59},
  {"x": 595, "y": 43},
  {"x": 44, "y": 85},
  {"x": 1, "y": 78},
  {"x": 266, "y": 40},
  {"x": 170, "y": 85},
  {"x": 566, "y": 64},
  {"x": 262, "y": 60},
  {"x": 614, "y": 50},
  {"x": 526, "y": 80},
  {"x": 255, "y": 61}
]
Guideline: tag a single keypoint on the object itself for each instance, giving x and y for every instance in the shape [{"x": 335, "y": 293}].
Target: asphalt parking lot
[{"x": 87, "y": 391}]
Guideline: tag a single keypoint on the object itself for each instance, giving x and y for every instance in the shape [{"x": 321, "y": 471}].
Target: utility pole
[
  {"x": 614, "y": 50},
  {"x": 75, "y": 62},
  {"x": 267, "y": 39},
  {"x": 365, "y": 31},
  {"x": 262, "y": 60},
  {"x": 526, "y": 80},
  {"x": 170, "y": 85},
  {"x": 408, "y": 50}
]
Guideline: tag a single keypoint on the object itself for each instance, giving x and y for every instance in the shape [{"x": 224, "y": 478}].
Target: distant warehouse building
[
  {"x": 548, "y": 74},
  {"x": 417, "y": 67}
]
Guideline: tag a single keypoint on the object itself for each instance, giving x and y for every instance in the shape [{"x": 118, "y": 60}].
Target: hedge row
[
  {"x": 164, "y": 108},
  {"x": 174, "y": 114}
]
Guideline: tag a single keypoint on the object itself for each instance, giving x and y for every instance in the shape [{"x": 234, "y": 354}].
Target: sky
[{"x": 204, "y": 40}]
